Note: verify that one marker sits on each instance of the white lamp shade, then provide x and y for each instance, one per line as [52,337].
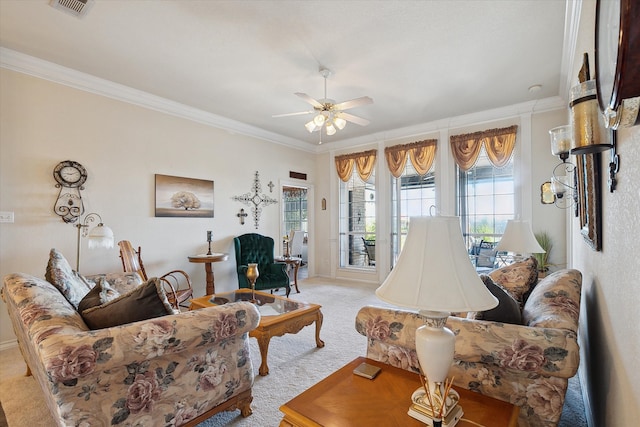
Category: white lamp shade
[330,129]
[319,119]
[339,122]
[519,238]
[311,126]
[100,236]
[434,272]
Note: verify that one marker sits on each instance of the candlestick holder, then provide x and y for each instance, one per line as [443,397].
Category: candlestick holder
[252,276]
[209,238]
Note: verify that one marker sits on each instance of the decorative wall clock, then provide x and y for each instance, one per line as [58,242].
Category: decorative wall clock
[618,61]
[70,177]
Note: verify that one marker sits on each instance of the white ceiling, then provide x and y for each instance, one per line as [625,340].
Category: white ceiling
[420,61]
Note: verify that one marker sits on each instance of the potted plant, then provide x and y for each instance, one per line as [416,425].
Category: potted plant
[544,240]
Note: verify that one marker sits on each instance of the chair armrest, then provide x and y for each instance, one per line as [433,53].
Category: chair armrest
[75,355]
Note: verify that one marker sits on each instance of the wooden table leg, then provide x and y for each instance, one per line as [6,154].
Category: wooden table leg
[319,318]
[263,344]
[295,275]
[211,288]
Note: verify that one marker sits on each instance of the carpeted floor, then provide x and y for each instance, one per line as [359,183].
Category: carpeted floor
[295,364]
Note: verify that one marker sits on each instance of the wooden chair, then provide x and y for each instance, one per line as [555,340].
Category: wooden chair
[176,282]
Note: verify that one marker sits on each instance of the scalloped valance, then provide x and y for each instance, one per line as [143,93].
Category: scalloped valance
[498,143]
[365,162]
[421,154]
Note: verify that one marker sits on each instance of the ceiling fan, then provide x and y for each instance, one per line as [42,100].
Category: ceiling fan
[330,115]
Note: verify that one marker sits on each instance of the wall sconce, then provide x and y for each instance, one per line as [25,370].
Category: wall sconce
[589,127]
[100,236]
[563,180]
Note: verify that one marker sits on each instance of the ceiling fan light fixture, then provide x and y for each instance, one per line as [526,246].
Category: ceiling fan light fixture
[339,122]
[330,129]
[311,126]
[319,119]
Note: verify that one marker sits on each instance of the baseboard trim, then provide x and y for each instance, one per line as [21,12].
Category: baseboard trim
[6,345]
[585,397]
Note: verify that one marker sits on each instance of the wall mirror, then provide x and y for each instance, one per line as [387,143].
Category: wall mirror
[589,198]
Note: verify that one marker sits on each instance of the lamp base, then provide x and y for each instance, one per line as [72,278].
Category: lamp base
[420,400]
[420,413]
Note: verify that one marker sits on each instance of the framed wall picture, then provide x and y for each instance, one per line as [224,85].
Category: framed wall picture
[183,197]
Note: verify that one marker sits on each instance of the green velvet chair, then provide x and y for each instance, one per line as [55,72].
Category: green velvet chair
[256,248]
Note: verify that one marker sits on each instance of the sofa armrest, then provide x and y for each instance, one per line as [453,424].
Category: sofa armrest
[70,356]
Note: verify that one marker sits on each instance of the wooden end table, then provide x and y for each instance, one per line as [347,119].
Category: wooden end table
[207,259]
[278,316]
[296,262]
[348,400]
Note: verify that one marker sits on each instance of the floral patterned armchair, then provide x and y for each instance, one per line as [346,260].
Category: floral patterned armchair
[528,365]
[172,370]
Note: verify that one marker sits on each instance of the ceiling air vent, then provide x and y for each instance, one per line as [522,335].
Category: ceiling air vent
[78,8]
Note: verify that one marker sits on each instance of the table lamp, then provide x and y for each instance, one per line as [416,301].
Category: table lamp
[519,239]
[433,274]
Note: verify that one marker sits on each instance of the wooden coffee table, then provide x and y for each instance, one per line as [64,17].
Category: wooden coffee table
[279,316]
[347,400]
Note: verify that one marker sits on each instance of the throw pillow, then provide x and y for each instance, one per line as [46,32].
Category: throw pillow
[144,302]
[69,282]
[518,278]
[101,293]
[507,310]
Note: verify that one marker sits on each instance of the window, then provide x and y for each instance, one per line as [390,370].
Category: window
[357,222]
[412,195]
[485,184]
[486,200]
[295,209]
[357,209]
[413,190]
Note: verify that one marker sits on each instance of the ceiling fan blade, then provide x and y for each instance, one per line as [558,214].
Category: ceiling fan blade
[310,100]
[354,119]
[292,114]
[364,100]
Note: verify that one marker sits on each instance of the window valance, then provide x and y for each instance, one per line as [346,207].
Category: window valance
[365,161]
[421,154]
[498,143]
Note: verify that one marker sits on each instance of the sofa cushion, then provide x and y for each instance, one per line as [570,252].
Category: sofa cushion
[518,278]
[101,293]
[555,301]
[144,302]
[69,282]
[507,310]
[121,282]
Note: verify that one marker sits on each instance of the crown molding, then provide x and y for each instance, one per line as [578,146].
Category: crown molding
[26,64]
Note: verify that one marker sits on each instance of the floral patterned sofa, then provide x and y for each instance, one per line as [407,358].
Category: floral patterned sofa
[174,370]
[526,364]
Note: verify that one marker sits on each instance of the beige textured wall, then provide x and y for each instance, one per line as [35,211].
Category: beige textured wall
[609,334]
[122,146]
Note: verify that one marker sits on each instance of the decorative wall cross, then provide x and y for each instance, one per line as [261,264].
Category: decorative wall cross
[242,215]
[256,200]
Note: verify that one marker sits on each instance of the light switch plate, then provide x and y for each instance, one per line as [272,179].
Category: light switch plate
[6,216]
